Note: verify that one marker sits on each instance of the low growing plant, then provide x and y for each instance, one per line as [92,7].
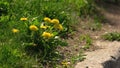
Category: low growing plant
[4,7]
[57,11]
[88,41]
[87,7]
[113,36]
[96,25]
[43,38]
[79,57]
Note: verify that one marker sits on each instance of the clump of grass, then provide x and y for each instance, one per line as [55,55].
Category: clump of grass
[79,57]
[113,36]
[84,8]
[12,55]
[4,7]
[4,17]
[87,40]
[96,25]
[87,8]
[69,63]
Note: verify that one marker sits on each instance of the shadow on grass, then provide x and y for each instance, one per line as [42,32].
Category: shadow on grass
[49,59]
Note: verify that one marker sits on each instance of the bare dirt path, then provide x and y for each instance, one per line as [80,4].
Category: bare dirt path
[108,50]
[96,58]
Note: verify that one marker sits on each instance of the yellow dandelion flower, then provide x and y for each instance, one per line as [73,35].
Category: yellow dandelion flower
[58,26]
[46,19]
[33,28]
[43,27]
[23,19]
[15,30]
[65,63]
[47,35]
[55,21]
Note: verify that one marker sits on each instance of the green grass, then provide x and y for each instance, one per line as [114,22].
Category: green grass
[113,36]
[88,41]
[13,52]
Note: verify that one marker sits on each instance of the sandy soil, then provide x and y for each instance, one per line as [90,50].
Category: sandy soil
[107,50]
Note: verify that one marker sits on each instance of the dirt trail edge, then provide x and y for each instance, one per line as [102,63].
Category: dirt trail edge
[97,58]
[109,54]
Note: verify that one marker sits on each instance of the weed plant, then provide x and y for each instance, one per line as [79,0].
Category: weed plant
[113,36]
[87,8]
[88,41]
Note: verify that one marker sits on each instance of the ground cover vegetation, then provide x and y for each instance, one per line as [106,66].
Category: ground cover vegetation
[32,30]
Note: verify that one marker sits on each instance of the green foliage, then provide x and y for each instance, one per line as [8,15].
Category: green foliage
[11,56]
[4,7]
[113,36]
[96,25]
[4,21]
[88,41]
[30,48]
[57,10]
[87,7]
[41,39]
[4,17]
[79,57]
